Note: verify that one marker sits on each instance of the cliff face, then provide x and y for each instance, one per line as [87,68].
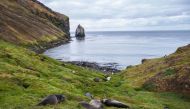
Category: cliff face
[32,24]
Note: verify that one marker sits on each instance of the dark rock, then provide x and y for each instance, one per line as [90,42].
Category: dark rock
[97,79]
[80,32]
[114,103]
[144,60]
[52,100]
[93,65]
[87,105]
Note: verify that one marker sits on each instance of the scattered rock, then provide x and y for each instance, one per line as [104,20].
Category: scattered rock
[114,103]
[80,31]
[93,65]
[97,79]
[52,100]
[96,103]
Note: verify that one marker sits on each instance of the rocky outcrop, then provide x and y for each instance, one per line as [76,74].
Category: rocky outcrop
[32,24]
[80,32]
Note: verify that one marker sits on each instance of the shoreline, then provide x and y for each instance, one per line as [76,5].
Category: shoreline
[40,49]
[107,68]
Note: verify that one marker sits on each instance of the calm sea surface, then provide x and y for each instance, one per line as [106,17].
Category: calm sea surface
[124,48]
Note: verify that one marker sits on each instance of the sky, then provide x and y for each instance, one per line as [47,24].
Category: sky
[124,15]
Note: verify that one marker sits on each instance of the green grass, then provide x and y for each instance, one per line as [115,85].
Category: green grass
[26,77]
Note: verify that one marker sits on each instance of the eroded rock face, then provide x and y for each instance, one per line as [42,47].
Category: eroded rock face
[80,32]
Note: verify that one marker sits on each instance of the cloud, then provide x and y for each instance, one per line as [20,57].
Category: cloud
[125,14]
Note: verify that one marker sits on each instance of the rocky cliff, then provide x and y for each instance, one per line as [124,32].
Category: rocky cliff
[32,24]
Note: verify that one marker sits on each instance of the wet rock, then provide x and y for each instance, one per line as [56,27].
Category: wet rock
[114,103]
[97,79]
[52,100]
[80,32]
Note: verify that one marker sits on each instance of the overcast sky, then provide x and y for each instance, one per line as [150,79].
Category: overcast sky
[125,14]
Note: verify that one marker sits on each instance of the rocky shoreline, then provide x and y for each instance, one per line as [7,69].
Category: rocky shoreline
[107,68]
[45,46]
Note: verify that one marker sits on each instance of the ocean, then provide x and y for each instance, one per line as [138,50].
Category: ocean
[122,47]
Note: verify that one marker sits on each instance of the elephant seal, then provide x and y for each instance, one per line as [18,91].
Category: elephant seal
[87,105]
[94,104]
[52,100]
[114,103]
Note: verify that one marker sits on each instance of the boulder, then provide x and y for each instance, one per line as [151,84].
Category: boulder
[114,103]
[80,32]
[52,100]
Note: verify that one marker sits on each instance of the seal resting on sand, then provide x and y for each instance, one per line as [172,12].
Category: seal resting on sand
[52,100]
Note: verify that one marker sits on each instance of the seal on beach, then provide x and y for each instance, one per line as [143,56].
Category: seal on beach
[52,100]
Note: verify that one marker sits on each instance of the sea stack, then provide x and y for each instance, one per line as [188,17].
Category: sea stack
[80,32]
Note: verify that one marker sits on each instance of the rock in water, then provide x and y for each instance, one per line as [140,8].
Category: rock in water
[114,103]
[80,32]
[52,100]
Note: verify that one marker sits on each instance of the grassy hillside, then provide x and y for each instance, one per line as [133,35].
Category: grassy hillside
[30,23]
[26,77]
[169,73]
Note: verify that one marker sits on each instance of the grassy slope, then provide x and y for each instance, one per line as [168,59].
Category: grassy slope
[25,78]
[169,73]
[29,23]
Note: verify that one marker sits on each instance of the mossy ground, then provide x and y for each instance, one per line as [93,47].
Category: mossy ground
[26,77]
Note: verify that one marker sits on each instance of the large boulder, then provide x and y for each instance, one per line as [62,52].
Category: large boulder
[80,32]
